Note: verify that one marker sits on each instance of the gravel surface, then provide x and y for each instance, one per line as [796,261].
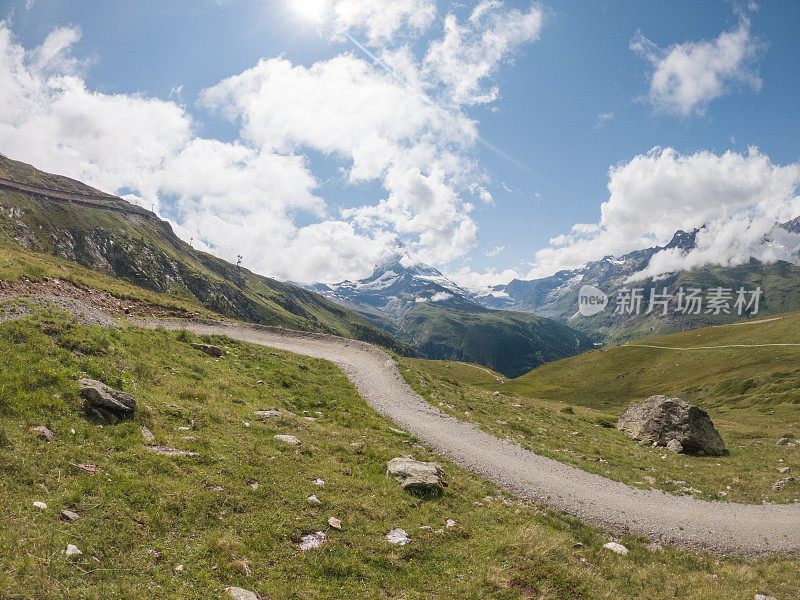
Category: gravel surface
[11,310]
[723,527]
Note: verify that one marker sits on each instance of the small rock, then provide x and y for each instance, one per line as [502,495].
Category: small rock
[722,494]
[238,593]
[449,523]
[783,441]
[617,548]
[43,433]
[649,479]
[168,451]
[106,403]
[676,447]
[267,414]
[312,540]
[312,499]
[288,439]
[654,547]
[184,428]
[319,482]
[495,394]
[335,523]
[155,554]
[254,486]
[88,469]
[784,469]
[148,435]
[189,438]
[781,483]
[69,515]
[178,568]
[398,536]
[516,405]
[72,550]
[763,597]
[40,505]
[416,475]
[213,351]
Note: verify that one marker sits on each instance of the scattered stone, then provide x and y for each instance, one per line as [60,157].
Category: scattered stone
[617,548]
[213,351]
[40,505]
[43,433]
[288,439]
[155,554]
[319,482]
[312,540]
[178,568]
[398,536]
[184,428]
[68,515]
[312,499]
[335,523]
[189,438]
[495,394]
[660,419]
[516,405]
[88,469]
[756,443]
[649,479]
[217,488]
[783,441]
[781,483]
[416,475]
[763,597]
[654,547]
[238,593]
[675,446]
[254,486]
[267,414]
[105,403]
[148,435]
[450,523]
[784,470]
[722,494]
[169,451]
[72,551]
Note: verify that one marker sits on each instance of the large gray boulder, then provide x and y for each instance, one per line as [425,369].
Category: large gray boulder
[415,475]
[106,403]
[660,419]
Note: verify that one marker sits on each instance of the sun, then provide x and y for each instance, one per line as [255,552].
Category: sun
[313,10]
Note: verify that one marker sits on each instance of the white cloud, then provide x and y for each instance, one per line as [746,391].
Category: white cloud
[687,76]
[469,53]
[737,197]
[481,283]
[383,19]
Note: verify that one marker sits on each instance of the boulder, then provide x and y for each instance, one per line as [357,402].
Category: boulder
[213,351]
[288,439]
[238,593]
[106,403]
[616,548]
[398,536]
[44,433]
[660,419]
[416,475]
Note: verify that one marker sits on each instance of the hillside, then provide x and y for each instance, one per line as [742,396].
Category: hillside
[747,376]
[509,342]
[418,305]
[159,527]
[556,296]
[75,222]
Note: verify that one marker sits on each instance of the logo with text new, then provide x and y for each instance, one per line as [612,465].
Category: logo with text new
[591,300]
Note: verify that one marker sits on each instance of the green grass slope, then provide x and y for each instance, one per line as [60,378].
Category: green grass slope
[568,409]
[143,515]
[136,246]
[509,342]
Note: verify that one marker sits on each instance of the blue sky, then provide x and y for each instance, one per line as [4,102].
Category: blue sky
[574,97]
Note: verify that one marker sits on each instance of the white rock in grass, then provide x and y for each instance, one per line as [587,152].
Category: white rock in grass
[449,523]
[312,499]
[312,540]
[72,550]
[398,536]
[319,482]
[763,597]
[335,523]
[238,593]
[41,505]
[617,548]
[288,439]
[148,435]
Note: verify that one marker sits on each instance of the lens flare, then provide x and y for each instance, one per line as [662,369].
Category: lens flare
[312,10]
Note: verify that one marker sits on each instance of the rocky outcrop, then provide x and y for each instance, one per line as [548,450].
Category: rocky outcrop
[213,351]
[105,403]
[659,420]
[415,475]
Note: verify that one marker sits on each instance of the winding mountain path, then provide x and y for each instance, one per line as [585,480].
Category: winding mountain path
[681,520]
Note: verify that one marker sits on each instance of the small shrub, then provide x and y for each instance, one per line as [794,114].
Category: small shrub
[568,410]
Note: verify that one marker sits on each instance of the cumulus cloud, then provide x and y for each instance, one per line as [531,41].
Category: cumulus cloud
[381,20]
[481,283]
[737,198]
[689,75]
[470,52]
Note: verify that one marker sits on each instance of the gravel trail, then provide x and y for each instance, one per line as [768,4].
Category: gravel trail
[722,527]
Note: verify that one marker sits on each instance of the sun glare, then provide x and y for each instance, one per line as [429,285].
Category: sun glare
[313,10]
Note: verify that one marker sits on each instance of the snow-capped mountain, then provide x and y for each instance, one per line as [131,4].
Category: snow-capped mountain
[395,286]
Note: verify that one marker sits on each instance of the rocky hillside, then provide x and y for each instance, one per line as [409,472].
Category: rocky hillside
[556,297]
[65,218]
[419,305]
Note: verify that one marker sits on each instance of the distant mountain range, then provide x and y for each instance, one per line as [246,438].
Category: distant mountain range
[417,304]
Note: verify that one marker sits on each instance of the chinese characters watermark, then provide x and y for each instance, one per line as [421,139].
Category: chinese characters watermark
[685,301]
